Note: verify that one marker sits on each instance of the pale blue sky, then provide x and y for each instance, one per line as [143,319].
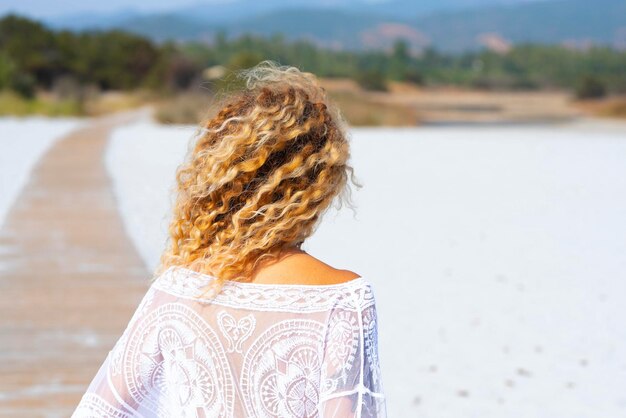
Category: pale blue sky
[47,8]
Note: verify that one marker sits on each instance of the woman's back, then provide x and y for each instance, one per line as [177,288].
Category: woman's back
[257,180]
[255,350]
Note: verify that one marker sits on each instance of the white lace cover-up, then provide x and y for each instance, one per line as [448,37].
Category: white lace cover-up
[255,350]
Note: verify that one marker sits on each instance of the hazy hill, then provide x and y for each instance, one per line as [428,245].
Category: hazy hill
[218,11]
[571,21]
[450,25]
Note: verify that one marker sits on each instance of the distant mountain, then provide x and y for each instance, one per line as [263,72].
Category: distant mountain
[83,20]
[330,27]
[162,27]
[357,24]
[574,22]
[239,9]
[224,11]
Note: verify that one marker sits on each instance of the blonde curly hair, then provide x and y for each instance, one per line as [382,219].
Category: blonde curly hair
[259,176]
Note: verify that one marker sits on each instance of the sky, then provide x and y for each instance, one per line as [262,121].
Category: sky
[47,8]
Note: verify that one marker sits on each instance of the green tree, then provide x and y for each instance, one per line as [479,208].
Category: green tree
[31,47]
[400,60]
[7,70]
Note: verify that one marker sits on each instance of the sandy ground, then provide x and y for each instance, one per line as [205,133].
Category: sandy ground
[452,105]
[69,278]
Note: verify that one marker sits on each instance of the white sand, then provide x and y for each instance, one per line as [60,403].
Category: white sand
[22,142]
[498,258]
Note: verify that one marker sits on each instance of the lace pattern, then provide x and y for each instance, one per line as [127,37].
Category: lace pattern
[187,283]
[252,351]
[94,406]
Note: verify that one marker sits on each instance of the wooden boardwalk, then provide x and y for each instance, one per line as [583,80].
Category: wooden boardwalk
[69,277]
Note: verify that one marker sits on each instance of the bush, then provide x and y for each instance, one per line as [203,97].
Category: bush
[590,87]
[414,76]
[371,80]
[24,85]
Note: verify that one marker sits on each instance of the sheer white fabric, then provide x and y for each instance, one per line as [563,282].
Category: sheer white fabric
[255,350]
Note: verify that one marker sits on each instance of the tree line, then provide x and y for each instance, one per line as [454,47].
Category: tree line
[34,57]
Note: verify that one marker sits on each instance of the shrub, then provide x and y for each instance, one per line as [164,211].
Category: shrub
[24,85]
[590,87]
[371,80]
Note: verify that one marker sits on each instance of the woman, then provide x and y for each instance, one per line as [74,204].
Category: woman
[240,321]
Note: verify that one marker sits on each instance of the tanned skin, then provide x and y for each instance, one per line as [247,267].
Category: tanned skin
[295,266]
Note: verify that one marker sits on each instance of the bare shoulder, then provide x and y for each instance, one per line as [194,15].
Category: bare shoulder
[302,268]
